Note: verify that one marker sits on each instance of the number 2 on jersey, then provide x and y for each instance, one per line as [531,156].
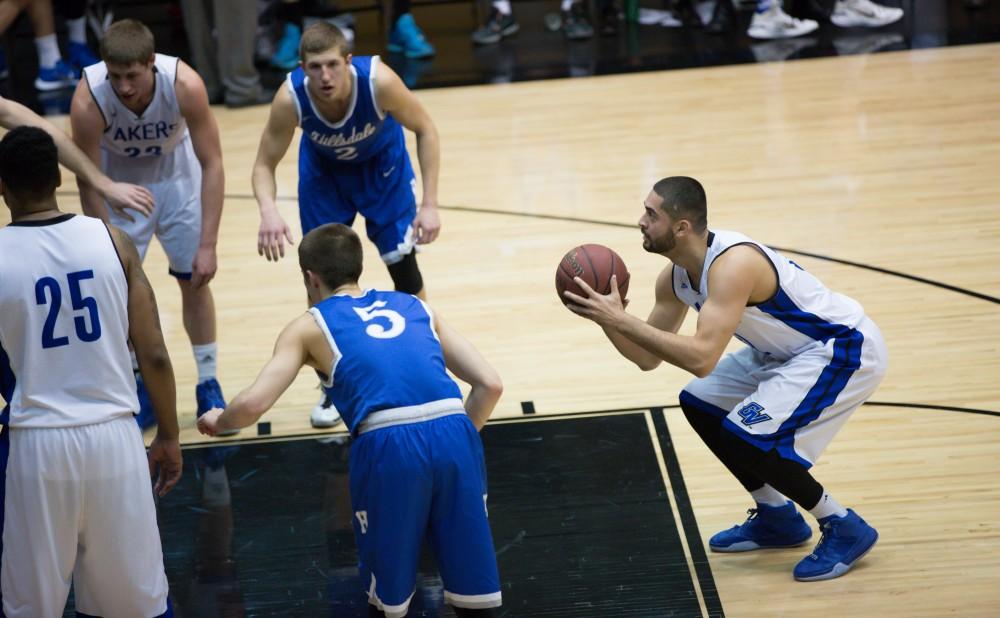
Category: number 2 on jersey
[78,301]
[396,322]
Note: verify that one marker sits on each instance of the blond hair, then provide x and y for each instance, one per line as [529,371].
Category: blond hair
[126,42]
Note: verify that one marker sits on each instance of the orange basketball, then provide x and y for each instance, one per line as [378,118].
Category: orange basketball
[594,264]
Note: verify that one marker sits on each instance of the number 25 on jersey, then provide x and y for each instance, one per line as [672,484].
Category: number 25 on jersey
[48,291]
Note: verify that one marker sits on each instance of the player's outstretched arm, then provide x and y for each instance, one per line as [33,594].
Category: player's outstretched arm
[278,133]
[291,352]
[465,361]
[83,156]
[193,101]
[154,365]
[393,96]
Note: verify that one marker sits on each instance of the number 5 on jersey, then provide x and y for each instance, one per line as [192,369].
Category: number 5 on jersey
[397,324]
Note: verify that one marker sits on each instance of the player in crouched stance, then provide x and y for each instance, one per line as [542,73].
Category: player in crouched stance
[768,410]
[416,465]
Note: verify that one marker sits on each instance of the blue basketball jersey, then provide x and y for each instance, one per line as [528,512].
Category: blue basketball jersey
[386,355]
[365,131]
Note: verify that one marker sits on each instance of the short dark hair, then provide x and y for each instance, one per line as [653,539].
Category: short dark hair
[320,37]
[29,163]
[126,42]
[684,198]
[333,252]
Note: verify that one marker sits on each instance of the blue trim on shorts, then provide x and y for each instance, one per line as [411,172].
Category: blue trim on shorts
[824,392]
[179,275]
[687,399]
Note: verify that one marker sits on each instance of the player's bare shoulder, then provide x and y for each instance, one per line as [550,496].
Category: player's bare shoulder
[190,88]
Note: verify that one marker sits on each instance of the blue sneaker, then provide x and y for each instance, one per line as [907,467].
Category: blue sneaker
[407,38]
[146,418]
[56,77]
[766,527]
[845,540]
[80,56]
[286,56]
[209,396]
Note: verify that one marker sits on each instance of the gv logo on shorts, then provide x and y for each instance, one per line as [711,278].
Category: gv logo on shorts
[753,413]
[362,520]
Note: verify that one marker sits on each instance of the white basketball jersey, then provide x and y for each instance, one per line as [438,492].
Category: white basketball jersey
[63,324]
[141,148]
[802,311]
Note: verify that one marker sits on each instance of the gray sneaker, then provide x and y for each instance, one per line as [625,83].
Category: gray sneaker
[497,26]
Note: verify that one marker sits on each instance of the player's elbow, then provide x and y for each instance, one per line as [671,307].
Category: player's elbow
[703,367]
[647,364]
[155,359]
[491,385]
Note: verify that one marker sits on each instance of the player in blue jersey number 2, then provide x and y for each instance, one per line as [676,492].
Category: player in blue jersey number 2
[352,159]
[416,467]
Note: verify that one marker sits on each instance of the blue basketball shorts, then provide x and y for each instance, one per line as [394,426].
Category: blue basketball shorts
[381,189]
[417,481]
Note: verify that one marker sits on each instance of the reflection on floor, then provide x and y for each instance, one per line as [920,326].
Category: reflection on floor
[580,514]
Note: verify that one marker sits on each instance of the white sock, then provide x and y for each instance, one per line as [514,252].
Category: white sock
[828,506]
[77,30]
[566,5]
[502,5]
[48,51]
[205,356]
[769,496]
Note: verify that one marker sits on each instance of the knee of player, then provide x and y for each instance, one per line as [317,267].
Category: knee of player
[406,275]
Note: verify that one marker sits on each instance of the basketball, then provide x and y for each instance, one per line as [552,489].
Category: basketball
[595,264]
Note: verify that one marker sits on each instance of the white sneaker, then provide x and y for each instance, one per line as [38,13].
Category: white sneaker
[777,24]
[325,414]
[850,13]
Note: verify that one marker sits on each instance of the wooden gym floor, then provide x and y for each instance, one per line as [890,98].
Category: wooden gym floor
[877,173]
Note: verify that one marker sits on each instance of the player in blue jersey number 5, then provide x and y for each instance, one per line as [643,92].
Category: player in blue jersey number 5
[416,467]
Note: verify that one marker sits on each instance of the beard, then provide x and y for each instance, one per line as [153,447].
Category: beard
[664,244]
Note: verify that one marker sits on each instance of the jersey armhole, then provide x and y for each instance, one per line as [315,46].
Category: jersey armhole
[118,254]
[295,96]
[90,88]
[430,315]
[372,71]
[777,278]
[318,318]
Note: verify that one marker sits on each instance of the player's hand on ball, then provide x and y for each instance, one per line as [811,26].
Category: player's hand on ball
[208,422]
[604,309]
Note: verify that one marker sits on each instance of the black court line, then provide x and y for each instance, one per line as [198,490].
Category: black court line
[709,591]
[539,417]
[827,258]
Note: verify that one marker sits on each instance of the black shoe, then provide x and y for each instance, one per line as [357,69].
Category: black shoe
[497,26]
[576,24]
[610,15]
[722,17]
